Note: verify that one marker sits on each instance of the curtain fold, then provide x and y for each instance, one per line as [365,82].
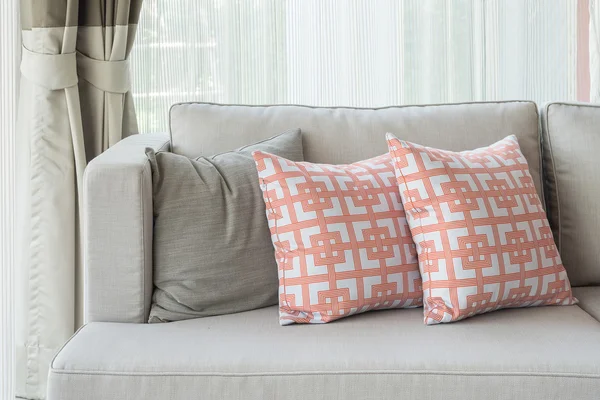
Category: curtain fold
[74,103]
[50,162]
[106,35]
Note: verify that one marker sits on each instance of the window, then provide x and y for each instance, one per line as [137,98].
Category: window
[355,53]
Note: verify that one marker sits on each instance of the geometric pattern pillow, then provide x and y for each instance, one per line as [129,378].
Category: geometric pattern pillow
[341,240]
[482,236]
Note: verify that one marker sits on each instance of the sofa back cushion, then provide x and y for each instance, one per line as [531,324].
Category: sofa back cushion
[346,135]
[572,183]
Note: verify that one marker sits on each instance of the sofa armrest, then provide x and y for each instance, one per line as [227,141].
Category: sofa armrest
[117,231]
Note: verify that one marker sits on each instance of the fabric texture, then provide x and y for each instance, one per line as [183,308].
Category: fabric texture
[117,205]
[369,356]
[482,236]
[572,184]
[341,239]
[212,249]
[343,135]
[589,299]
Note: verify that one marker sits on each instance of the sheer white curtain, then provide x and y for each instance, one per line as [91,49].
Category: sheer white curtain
[594,40]
[351,52]
[9,67]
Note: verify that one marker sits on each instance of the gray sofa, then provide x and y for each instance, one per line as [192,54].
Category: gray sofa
[536,353]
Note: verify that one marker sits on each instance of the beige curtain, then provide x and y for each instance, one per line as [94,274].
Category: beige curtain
[106,34]
[74,103]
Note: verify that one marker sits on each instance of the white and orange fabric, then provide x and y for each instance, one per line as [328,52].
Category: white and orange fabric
[341,239]
[482,236]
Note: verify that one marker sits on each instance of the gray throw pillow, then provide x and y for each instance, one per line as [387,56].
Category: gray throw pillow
[212,246]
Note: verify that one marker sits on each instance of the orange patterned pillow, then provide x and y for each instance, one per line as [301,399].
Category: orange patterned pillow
[341,239]
[481,233]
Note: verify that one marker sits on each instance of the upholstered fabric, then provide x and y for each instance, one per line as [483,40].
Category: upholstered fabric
[117,207]
[589,299]
[572,165]
[212,248]
[534,354]
[341,239]
[482,236]
[457,126]
[345,135]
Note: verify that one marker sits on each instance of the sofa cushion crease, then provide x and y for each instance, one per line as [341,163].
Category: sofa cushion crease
[310,373]
[589,299]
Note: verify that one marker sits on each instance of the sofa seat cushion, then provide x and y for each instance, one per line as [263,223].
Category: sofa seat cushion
[542,353]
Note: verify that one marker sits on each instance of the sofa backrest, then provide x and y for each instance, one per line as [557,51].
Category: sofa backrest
[572,183]
[344,135]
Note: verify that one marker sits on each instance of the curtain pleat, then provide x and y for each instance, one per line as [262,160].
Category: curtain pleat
[106,35]
[74,103]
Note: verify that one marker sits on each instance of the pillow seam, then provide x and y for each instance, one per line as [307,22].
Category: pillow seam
[421,225]
[272,210]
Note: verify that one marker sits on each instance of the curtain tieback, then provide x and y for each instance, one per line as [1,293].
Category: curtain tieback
[110,76]
[52,71]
